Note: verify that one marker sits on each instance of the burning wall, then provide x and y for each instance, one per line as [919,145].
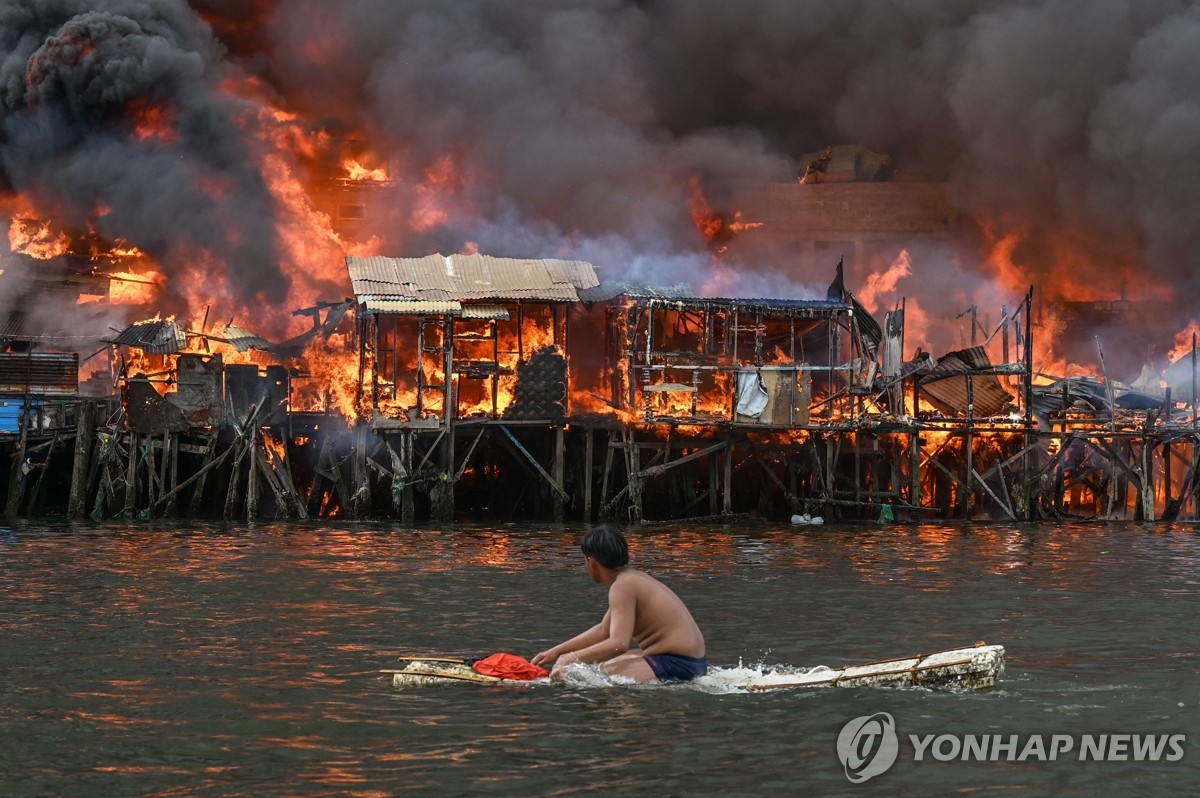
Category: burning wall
[200,133]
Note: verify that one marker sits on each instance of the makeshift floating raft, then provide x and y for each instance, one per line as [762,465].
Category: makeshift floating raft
[974,668]
[424,670]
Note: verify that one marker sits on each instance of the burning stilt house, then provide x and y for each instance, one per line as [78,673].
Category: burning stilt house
[449,337]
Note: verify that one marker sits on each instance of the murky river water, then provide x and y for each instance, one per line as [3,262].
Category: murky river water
[211,660]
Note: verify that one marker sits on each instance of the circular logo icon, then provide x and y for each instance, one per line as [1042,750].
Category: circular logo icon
[867,746]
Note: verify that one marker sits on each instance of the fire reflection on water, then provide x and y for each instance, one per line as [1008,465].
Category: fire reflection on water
[224,658]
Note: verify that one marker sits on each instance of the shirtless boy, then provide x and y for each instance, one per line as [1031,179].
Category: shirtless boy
[640,609]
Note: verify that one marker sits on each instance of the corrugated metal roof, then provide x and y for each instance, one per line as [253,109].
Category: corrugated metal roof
[42,373]
[610,289]
[158,337]
[946,385]
[406,307]
[242,340]
[498,312]
[462,277]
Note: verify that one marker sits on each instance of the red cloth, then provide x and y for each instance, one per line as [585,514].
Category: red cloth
[510,666]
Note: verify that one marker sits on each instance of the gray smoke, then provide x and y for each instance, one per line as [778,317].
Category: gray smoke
[75,79]
[1068,117]
[576,125]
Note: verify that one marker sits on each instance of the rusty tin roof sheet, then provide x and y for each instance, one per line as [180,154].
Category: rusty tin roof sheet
[241,339]
[157,336]
[467,277]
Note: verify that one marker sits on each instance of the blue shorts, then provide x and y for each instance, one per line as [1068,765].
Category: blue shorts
[676,667]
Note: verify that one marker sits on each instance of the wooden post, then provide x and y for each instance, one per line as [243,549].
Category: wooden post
[609,452]
[588,454]
[233,492]
[1147,494]
[633,458]
[361,498]
[1168,487]
[441,494]
[173,474]
[85,433]
[200,475]
[727,498]
[408,512]
[31,507]
[713,477]
[197,501]
[13,504]
[557,470]
[164,472]
[857,467]
[131,479]
[317,491]
[969,445]
[252,477]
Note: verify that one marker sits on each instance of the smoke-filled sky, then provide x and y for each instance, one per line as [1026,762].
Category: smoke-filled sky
[574,128]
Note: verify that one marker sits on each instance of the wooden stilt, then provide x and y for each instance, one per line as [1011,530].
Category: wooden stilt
[201,477]
[727,485]
[85,433]
[252,489]
[969,448]
[321,476]
[198,478]
[713,492]
[360,504]
[164,466]
[588,454]
[558,469]
[408,512]
[173,474]
[31,506]
[1147,492]
[131,477]
[233,492]
[12,505]
[633,458]
[914,467]
[609,453]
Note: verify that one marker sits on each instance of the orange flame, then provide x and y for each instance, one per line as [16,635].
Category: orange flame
[355,171]
[36,238]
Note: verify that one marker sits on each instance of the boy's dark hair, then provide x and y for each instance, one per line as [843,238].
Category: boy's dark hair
[607,545]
